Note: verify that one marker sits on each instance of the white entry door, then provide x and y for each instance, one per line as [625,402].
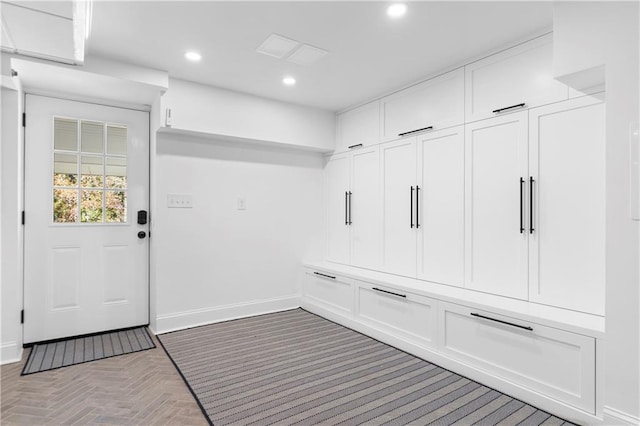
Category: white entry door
[86,247]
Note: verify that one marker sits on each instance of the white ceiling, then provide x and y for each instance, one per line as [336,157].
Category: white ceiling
[369,54]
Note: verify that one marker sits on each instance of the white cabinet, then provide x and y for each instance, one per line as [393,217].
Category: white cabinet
[353,208]
[399,313]
[520,75]
[398,168]
[329,290]
[437,103]
[495,235]
[337,171]
[567,246]
[423,206]
[535,205]
[440,206]
[554,362]
[359,126]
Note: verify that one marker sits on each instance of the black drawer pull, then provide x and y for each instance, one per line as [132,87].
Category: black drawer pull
[474,314]
[353,146]
[416,131]
[389,292]
[498,111]
[324,275]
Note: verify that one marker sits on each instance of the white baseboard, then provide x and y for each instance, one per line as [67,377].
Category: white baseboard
[617,417]
[10,352]
[188,319]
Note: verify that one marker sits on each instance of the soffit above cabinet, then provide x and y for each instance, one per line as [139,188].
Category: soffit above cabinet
[53,30]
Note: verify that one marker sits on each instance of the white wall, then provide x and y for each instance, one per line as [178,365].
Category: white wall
[616,27]
[10,281]
[214,111]
[215,262]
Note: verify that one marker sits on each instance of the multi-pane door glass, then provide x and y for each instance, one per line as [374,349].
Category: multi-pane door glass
[89,172]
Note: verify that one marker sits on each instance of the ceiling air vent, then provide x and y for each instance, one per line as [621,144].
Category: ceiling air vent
[277,46]
[307,55]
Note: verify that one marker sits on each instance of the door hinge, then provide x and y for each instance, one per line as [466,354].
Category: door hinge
[22,316]
[24,119]
[22,217]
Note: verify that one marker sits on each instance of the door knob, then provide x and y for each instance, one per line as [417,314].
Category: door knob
[142,234]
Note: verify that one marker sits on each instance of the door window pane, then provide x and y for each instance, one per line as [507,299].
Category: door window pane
[91,206]
[116,206]
[92,169]
[89,172]
[65,170]
[65,205]
[92,137]
[116,172]
[65,134]
[116,140]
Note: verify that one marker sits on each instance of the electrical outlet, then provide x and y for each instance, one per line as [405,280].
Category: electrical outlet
[241,203]
[179,201]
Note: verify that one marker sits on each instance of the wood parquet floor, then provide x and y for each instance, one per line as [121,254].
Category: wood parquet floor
[141,388]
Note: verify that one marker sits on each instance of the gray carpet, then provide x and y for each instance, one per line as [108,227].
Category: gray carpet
[63,353]
[294,367]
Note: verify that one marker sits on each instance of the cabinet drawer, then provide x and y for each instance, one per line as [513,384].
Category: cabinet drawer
[329,290]
[398,313]
[522,74]
[554,362]
[438,102]
[359,126]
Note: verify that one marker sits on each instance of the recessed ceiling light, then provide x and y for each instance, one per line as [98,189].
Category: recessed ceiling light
[397,10]
[193,56]
[289,81]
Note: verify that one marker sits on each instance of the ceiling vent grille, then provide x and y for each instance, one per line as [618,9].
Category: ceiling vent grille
[277,46]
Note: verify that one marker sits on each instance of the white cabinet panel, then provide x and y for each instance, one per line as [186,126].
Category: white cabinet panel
[399,313]
[522,74]
[441,206]
[365,207]
[438,102]
[329,290]
[557,363]
[495,244]
[398,168]
[337,188]
[359,126]
[567,247]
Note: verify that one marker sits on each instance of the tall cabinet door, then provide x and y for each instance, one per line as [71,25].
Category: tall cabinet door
[441,206]
[398,167]
[337,187]
[567,246]
[365,207]
[496,243]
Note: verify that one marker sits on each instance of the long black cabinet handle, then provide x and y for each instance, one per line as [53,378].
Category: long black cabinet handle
[521,207]
[411,207]
[417,206]
[389,292]
[346,207]
[325,275]
[498,111]
[474,314]
[415,131]
[531,197]
[353,146]
[350,207]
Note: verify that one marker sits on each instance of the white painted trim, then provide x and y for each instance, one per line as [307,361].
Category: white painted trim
[613,416]
[194,318]
[10,352]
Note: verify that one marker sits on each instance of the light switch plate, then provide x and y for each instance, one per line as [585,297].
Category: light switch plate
[241,203]
[179,201]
